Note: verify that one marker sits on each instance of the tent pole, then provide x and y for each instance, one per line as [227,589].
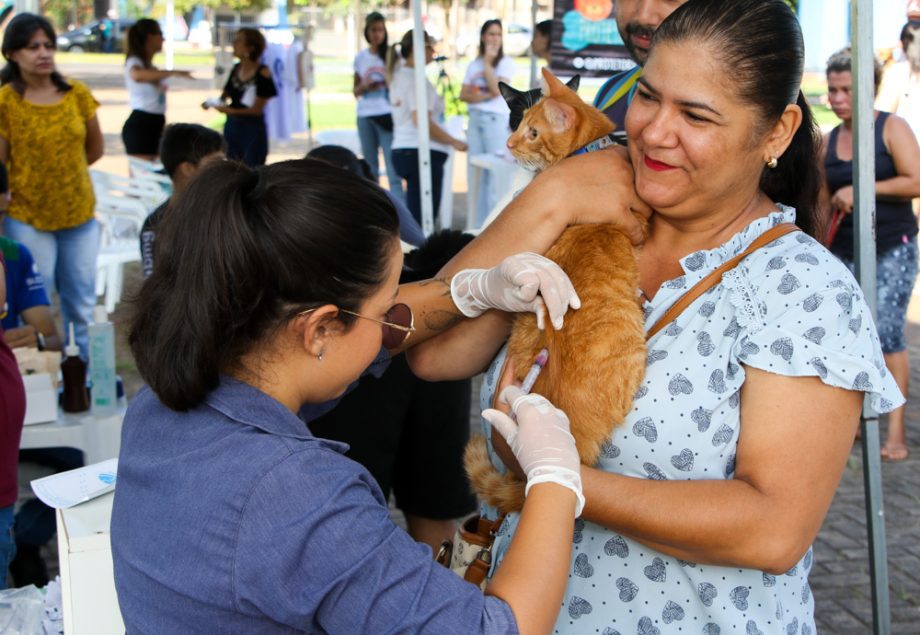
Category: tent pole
[864,211]
[421,101]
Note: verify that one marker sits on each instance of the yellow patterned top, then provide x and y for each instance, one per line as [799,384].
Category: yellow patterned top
[50,186]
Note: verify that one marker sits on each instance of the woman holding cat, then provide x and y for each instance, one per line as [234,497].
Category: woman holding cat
[697,516]
[405,126]
[488,126]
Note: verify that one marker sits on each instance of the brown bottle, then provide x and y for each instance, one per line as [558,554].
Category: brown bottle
[75,399]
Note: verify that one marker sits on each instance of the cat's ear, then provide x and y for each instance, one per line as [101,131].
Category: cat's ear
[551,84]
[511,95]
[574,82]
[561,116]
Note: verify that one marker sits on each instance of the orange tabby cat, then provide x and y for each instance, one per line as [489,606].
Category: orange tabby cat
[597,361]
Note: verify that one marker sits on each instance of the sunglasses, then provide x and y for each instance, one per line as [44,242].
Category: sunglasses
[397,326]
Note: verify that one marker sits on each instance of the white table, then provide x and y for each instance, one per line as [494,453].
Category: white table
[504,175]
[98,437]
[90,605]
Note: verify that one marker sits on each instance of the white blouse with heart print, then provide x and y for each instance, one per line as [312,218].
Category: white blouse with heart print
[789,308]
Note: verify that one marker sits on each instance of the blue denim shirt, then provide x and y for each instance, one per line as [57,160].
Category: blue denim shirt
[233,518]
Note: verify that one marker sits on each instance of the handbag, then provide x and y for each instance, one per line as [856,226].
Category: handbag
[469,554]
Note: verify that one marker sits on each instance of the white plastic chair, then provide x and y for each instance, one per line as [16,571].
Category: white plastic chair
[121,218]
[347,138]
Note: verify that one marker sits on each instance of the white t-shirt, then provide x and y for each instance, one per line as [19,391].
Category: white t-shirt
[146,96]
[402,98]
[371,69]
[476,77]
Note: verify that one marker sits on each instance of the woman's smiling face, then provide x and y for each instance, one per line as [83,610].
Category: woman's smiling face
[694,145]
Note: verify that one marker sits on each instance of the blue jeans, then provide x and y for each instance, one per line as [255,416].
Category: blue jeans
[406,162]
[66,258]
[373,136]
[7,543]
[487,134]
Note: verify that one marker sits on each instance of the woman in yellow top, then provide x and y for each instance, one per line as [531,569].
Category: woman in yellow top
[49,136]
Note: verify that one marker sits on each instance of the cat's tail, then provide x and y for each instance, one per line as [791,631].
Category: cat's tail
[504,491]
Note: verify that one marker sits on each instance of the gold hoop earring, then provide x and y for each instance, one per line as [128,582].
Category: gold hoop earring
[772,163]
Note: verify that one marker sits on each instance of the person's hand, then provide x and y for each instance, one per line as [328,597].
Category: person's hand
[540,440]
[23,336]
[459,145]
[524,282]
[842,200]
[595,187]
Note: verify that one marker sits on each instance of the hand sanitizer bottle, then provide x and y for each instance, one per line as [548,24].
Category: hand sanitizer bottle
[73,370]
[102,363]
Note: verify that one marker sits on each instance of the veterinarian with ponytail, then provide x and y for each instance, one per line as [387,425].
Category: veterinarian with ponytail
[697,519]
[229,515]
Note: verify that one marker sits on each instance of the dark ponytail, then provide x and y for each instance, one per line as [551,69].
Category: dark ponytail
[16,37]
[136,41]
[243,251]
[760,46]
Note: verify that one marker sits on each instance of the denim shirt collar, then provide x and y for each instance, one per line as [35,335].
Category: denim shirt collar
[250,406]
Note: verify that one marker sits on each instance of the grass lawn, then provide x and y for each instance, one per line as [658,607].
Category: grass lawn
[183,59]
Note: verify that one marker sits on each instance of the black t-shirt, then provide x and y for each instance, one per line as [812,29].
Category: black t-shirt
[236,89]
[894,220]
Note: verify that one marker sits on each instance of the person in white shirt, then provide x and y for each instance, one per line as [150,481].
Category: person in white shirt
[488,127]
[405,126]
[375,123]
[146,90]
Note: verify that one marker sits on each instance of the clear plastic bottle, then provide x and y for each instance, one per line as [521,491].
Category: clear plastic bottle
[73,369]
[102,363]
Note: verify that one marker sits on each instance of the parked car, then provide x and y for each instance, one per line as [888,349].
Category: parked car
[515,43]
[91,37]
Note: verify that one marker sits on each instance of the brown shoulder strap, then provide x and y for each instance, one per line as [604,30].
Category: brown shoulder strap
[715,276]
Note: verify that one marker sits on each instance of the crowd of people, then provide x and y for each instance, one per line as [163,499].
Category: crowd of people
[298,367]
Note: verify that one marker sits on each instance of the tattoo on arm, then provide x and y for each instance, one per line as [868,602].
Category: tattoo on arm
[443,281]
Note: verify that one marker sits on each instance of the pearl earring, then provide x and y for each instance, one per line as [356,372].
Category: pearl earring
[772,163]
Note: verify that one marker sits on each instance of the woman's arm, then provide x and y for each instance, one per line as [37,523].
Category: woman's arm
[153,75]
[796,434]
[439,134]
[95,145]
[566,194]
[904,150]
[527,582]
[358,86]
[256,109]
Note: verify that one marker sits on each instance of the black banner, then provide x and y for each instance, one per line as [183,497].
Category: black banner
[585,39]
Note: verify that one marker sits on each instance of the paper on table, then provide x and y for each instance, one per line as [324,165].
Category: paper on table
[73,487]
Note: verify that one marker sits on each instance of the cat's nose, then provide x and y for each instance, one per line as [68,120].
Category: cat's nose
[511,143]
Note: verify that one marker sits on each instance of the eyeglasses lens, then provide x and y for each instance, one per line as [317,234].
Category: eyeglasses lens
[399,314]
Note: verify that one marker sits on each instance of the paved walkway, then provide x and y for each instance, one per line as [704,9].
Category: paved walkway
[840,579]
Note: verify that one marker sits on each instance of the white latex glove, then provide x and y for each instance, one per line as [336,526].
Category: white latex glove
[523,282]
[540,441]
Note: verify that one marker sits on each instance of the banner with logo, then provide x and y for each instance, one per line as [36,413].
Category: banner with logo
[585,40]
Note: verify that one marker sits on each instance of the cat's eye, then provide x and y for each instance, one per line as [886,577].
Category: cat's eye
[534,133]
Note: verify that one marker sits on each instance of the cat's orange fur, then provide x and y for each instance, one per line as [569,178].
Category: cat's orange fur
[597,361]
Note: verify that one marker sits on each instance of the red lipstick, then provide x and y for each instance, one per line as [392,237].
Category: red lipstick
[658,166]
